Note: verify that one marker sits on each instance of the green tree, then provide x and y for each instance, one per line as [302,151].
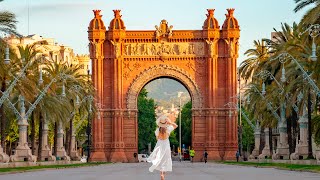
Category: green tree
[247,135]
[186,123]
[146,121]
[256,58]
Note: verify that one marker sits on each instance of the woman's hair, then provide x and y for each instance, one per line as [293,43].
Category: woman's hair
[162,130]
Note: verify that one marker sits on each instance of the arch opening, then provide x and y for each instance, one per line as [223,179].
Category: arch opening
[165,95]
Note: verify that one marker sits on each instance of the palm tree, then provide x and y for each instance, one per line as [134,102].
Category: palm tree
[73,78]
[8,22]
[290,40]
[312,15]
[8,25]
[257,57]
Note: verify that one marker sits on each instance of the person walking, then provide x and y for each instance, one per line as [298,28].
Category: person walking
[205,156]
[161,155]
[237,156]
[192,153]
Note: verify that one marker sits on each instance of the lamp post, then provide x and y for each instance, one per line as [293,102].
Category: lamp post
[179,96]
[23,151]
[5,95]
[5,157]
[314,31]
[283,146]
[284,57]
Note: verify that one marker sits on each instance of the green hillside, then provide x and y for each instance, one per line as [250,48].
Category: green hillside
[165,92]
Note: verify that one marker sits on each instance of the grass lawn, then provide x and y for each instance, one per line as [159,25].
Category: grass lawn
[30,168]
[293,167]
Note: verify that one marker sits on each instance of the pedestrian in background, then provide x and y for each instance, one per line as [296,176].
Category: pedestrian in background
[237,156]
[192,152]
[205,156]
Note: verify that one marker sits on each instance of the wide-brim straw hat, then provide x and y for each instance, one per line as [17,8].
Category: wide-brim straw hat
[162,121]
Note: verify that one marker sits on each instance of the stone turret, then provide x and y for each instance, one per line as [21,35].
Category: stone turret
[96,27]
[117,23]
[230,27]
[211,22]
[211,26]
[117,29]
[96,35]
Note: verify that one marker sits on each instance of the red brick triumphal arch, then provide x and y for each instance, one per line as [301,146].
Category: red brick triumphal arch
[124,61]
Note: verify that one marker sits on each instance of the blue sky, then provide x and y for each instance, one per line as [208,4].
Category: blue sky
[67,20]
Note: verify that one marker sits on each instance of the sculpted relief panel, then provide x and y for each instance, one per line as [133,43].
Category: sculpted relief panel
[164,48]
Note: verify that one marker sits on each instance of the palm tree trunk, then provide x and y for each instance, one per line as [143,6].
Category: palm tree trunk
[70,135]
[309,127]
[270,141]
[55,147]
[294,130]
[3,119]
[10,148]
[66,142]
[40,136]
[289,131]
[33,134]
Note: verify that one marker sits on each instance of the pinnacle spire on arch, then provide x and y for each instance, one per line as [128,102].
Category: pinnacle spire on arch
[230,22]
[210,22]
[117,23]
[96,23]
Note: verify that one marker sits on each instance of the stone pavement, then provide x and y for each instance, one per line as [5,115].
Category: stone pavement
[181,171]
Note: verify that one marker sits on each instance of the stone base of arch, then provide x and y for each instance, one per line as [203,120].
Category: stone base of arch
[98,156]
[118,156]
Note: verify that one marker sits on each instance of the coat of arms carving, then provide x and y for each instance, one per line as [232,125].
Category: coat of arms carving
[164,29]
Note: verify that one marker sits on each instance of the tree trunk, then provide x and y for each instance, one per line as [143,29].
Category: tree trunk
[10,148]
[309,126]
[270,141]
[55,148]
[289,131]
[33,134]
[40,136]
[3,118]
[66,142]
[262,140]
[70,135]
[295,129]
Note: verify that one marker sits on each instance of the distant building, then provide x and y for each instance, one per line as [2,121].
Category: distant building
[50,48]
[84,62]
[275,36]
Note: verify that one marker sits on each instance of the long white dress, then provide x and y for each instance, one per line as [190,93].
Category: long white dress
[161,155]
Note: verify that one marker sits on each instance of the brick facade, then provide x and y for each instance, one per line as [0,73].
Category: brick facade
[124,61]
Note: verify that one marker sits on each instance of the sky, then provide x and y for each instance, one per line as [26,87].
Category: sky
[67,20]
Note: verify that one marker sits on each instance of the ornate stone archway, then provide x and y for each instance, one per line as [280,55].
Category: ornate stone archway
[163,70]
[123,61]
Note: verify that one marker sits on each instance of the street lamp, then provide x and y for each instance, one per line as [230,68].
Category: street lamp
[284,57]
[314,31]
[179,96]
[6,52]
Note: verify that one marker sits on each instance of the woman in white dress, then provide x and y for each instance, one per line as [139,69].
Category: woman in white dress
[161,155]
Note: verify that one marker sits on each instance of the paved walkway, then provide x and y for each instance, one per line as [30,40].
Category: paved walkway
[181,171]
